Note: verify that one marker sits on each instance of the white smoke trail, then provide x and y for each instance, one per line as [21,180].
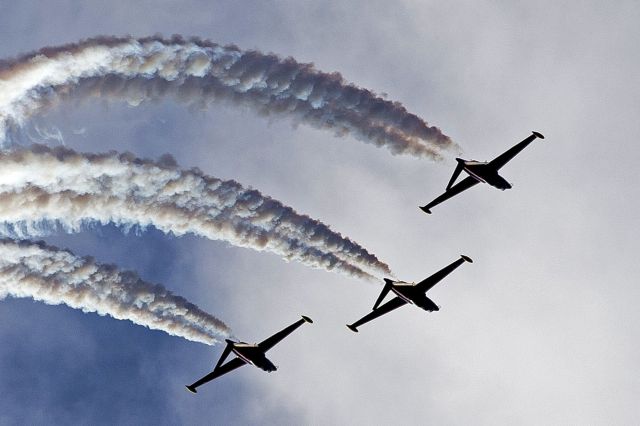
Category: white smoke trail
[55,277]
[72,189]
[198,71]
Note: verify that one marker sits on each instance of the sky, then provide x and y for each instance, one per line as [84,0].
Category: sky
[541,328]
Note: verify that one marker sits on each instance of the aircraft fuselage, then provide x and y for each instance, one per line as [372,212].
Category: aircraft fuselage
[409,293]
[254,355]
[483,172]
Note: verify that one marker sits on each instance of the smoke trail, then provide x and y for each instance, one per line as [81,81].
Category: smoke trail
[58,184]
[198,71]
[55,277]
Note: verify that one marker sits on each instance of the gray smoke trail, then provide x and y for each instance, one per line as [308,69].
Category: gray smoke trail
[198,71]
[55,277]
[72,189]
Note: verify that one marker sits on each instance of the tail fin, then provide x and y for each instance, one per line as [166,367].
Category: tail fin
[191,388]
[352,328]
[456,172]
[387,286]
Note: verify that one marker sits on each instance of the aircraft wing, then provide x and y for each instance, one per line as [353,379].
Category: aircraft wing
[392,304]
[464,184]
[224,369]
[426,284]
[270,342]
[505,157]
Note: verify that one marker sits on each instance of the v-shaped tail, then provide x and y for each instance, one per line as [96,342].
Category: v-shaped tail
[456,173]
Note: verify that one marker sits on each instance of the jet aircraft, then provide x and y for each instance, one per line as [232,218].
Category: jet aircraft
[408,293]
[248,354]
[480,171]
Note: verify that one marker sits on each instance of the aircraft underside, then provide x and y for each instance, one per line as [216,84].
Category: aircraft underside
[485,173]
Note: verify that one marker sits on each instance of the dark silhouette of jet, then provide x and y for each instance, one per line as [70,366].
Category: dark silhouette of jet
[480,171]
[411,293]
[248,354]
